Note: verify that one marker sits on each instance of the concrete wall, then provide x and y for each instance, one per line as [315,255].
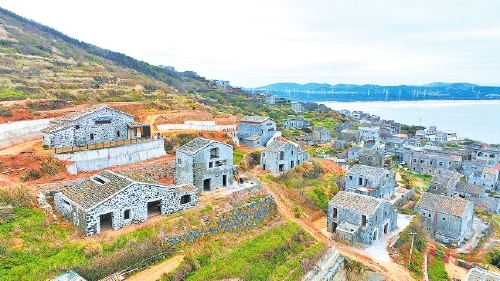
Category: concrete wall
[18,132]
[92,160]
[236,220]
[265,130]
[196,125]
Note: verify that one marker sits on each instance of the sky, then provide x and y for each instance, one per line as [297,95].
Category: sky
[260,42]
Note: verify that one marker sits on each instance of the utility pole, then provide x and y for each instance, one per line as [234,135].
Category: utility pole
[411,248]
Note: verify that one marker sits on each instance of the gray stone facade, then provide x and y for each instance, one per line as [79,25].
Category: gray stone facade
[360,218]
[255,131]
[447,219]
[444,183]
[320,135]
[281,155]
[95,124]
[204,163]
[370,157]
[372,181]
[109,200]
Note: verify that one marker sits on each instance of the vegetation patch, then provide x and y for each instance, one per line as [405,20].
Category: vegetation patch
[435,265]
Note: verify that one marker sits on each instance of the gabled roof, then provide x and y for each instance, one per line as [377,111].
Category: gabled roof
[322,129]
[479,274]
[367,171]
[255,119]
[394,140]
[198,144]
[445,177]
[363,204]
[55,127]
[86,111]
[443,204]
[91,193]
[469,188]
[275,146]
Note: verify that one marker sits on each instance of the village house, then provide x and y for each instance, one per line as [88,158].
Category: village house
[370,157]
[360,218]
[298,107]
[320,135]
[108,200]
[447,219]
[269,99]
[339,144]
[206,164]
[372,181]
[298,122]
[433,163]
[353,153]
[476,194]
[411,144]
[490,155]
[347,125]
[95,124]
[389,128]
[255,131]
[369,133]
[393,143]
[281,155]
[349,135]
[444,183]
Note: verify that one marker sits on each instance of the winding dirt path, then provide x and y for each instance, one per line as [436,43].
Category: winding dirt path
[392,271]
[155,272]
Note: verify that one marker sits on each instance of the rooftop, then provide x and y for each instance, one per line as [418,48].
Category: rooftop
[477,274]
[445,177]
[77,114]
[368,171]
[443,204]
[185,188]
[469,188]
[275,146]
[490,170]
[255,119]
[355,202]
[196,145]
[91,192]
[54,127]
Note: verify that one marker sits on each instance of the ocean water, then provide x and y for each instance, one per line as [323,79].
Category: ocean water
[477,120]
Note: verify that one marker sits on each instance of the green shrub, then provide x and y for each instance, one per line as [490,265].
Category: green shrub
[17,196]
[6,112]
[32,174]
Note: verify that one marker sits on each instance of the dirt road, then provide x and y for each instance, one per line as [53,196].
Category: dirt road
[392,271]
[156,271]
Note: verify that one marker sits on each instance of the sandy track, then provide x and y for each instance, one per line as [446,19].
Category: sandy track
[155,272]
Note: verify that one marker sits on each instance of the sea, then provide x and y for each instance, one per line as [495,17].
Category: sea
[477,120]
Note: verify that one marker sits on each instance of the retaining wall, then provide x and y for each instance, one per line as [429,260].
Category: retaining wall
[98,159]
[18,132]
[236,220]
[196,125]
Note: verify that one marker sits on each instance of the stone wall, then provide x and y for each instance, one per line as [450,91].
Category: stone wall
[265,130]
[196,125]
[19,132]
[93,160]
[328,268]
[236,220]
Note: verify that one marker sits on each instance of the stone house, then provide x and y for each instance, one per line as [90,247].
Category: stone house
[476,194]
[269,99]
[320,135]
[255,131]
[339,144]
[110,201]
[298,123]
[411,144]
[489,178]
[433,163]
[353,153]
[347,125]
[360,218]
[206,164]
[389,128]
[480,274]
[95,124]
[444,183]
[393,143]
[372,181]
[349,135]
[297,106]
[490,155]
[447,219]
[281,155]
[370,157]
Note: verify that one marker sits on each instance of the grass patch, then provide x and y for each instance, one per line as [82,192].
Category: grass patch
[238,156]
[435,266]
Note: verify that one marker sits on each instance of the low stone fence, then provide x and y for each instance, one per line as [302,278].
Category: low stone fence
[235,220]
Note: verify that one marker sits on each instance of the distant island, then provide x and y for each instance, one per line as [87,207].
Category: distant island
[370,92]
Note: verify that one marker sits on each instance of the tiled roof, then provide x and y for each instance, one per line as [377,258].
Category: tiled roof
[455,158]
[347,131]
[355,202]
[196,145]
[77,114]
[355,148]
[477,274]
[364,170]
[254,119]
[136,124]
[90,193]
[54,127]
[469,188]
[252,138]
[322,129]
[443,204]
[394,140]
[445,177]
[367,152]
[275,146]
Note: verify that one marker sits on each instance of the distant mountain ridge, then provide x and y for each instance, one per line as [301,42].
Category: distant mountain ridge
[370,92]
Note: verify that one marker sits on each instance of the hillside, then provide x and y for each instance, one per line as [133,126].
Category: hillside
[37,61]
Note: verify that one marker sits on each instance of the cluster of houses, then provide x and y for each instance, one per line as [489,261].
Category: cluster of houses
[109,200]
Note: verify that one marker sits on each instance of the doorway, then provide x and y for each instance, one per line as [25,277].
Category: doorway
[206,185]
[106,221]
[224,180]
[386,228]
[154,208]
[375,234]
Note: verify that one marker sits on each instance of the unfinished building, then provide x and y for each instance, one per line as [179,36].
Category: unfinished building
[360,218]
[206,164]
[372,181]
[255,131]
[281,155]
[110,201]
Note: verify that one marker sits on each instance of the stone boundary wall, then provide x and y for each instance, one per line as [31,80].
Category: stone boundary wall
[93,160]
[235,220]
[18,132]
[196,125]
[328,268]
